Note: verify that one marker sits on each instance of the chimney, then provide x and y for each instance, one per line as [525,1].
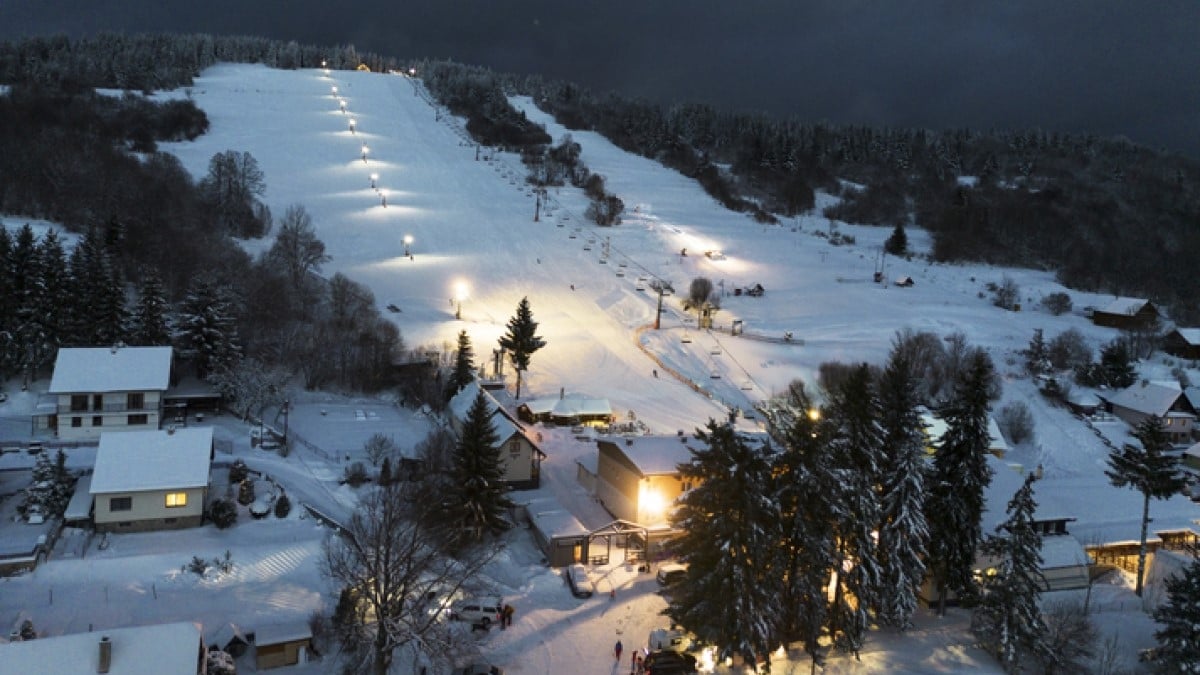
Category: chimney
[105,655]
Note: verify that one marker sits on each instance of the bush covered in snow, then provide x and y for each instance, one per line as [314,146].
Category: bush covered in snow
[223,513]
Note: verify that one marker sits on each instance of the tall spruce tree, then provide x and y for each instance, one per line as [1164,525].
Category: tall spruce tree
[1008,618]
[149,326]
[464,366]
[856,444]
[99,292]
[476,507]
[521,340]
[804,484]
[731,527]
[1116,364]
[1147,468]
[903,530]
[1179,637]
[7,306]
[207,334]
[960,475]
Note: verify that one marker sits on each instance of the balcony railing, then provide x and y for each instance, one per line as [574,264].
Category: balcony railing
[107,408]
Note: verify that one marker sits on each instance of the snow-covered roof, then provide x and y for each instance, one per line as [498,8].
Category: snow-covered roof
[101,369]
[1125,306]
[135,461]
[1189,335]
[506,427]
[278,633]
[656,455]
[935,428]
[142,650]
[1062,550]
[80,506]
[552,520]
[1193,451]
[1154,398]
[571,405]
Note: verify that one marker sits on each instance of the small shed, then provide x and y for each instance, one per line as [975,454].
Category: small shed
[560,535]
[1126,313]
[284,644]
[1183,342]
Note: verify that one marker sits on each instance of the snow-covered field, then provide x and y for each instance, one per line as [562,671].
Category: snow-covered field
[472,221]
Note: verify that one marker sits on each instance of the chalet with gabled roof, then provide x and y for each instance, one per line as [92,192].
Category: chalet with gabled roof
[1164,400]
[149,480]
[1126,313]
[142,650]
[98,389]
[1183,342]
[521,455]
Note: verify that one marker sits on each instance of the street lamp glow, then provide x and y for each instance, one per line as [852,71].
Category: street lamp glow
[365,151]
[352,123]
[374,180]
[334,90]
[407,244]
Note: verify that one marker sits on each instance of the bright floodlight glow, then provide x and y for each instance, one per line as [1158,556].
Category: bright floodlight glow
[814,414]
[652,503]
[334,89]
[407,239]
[365,149]
[461,290]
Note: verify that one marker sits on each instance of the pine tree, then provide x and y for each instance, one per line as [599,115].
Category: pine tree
[52,485]
[1037,354]
[804,484]
[1179,639]
[54,291]
[207,335]
[99,294]
[28,331]
[1147,468]
[960,474]
[464,366]
[476,508]
[1008,618]
[856,443]
[520,341]
[730,527]
[8,363]
[1116,362]
[897,244]
[903,530]
[149,326]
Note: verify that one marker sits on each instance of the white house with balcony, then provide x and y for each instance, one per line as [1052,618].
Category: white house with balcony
[150,480]
[103,389]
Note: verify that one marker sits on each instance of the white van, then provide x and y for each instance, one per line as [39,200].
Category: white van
[669,639]
[479,612]
[580,582]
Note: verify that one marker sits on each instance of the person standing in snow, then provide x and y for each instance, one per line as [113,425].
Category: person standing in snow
[617,650]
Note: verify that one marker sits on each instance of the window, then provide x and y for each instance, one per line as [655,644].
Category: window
[97,421]
[97,401]
[514,448]
[135,401]
[176,499]
[78,402]
[76,422]
[137,419]
[120,504]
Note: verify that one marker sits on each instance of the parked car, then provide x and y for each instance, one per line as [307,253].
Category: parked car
[671,573]
[480,669]
[670,663]
[581,585]
[480,613]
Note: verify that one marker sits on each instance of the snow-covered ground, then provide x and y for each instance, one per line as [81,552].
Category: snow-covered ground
[472,221]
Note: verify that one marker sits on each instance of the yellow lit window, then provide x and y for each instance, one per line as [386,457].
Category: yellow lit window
[175,499]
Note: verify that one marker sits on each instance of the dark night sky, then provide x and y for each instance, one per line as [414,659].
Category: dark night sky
[1112,68]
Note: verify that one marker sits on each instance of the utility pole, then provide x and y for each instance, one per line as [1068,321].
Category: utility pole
[537,206]
[658,314]
[286,411]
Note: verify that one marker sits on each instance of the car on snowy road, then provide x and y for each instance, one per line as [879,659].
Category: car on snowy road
[577,578]
[671,573]
[670,663]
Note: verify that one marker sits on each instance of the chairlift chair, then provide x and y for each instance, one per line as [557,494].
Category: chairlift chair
[686,339]
[747,385]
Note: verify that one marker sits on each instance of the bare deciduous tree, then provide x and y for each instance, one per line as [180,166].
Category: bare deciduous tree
[390,556]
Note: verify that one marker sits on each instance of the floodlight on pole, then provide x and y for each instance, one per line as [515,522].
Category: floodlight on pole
[365,150]
[374,180]
[407,243]
[352,123]
[334,88]
[460,294]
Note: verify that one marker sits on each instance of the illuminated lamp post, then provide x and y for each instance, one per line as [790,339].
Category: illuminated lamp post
[352,123]
[365,150]
[407,244]
[460,294]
